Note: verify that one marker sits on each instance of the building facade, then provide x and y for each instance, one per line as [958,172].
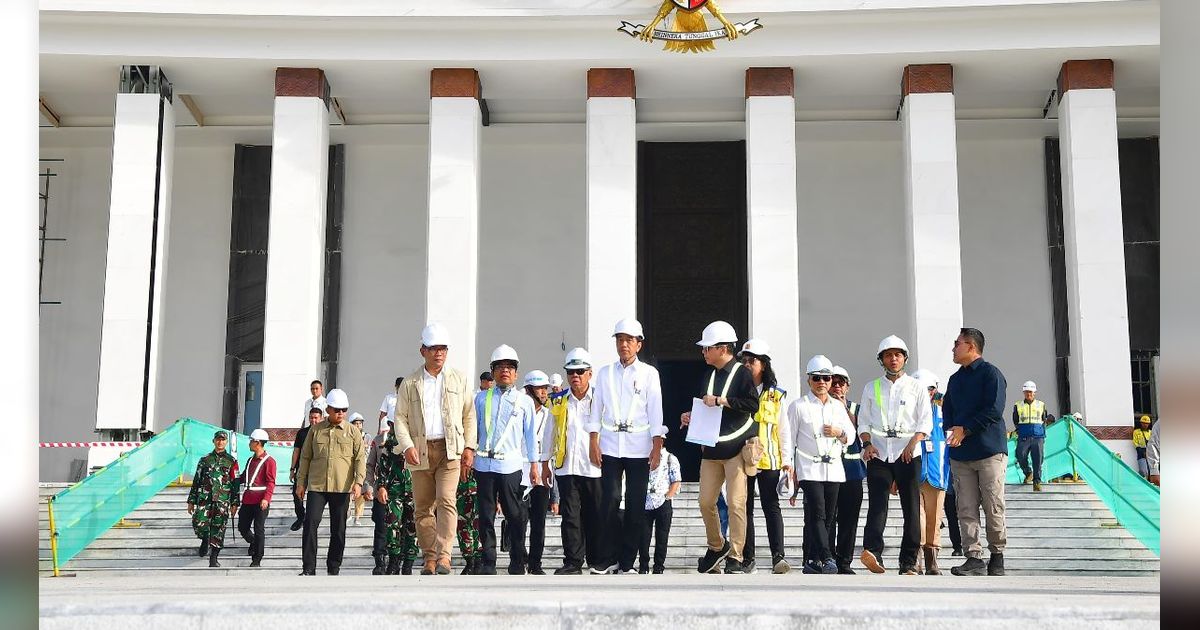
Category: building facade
[238,201]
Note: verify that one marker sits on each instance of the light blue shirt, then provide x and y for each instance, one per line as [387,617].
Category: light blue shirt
[512,442]
[935,465]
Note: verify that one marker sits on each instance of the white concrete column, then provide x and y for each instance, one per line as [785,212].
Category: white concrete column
[1094,244]
[774,282]
[136,263]
[296,244]
[931,213]
[452,266]
[611,269]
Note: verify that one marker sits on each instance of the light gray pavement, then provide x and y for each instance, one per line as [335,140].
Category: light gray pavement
[187,601]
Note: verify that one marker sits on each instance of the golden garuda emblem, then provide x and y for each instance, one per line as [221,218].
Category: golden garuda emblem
[688,32]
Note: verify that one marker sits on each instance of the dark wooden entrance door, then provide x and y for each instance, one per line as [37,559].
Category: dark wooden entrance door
[692,266]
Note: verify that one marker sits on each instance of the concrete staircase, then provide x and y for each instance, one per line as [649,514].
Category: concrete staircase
[1064,530]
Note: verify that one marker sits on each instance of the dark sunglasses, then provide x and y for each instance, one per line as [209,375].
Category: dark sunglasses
[840,381]
[821,377]
[576,372]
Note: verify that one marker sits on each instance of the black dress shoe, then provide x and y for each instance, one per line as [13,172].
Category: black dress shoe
[657,571]
[516,569]
[536,571]
[256,562]
[297,525]
[307,572]
[568,570]
[332,570]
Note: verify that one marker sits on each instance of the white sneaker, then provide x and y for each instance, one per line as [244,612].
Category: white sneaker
[603,570]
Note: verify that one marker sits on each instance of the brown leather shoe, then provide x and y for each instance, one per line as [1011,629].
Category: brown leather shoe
[871,562]
[429,568]
[443,567]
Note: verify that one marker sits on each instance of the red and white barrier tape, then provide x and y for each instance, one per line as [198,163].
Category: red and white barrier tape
[113,444]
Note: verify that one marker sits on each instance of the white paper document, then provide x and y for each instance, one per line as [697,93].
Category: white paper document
[705,425]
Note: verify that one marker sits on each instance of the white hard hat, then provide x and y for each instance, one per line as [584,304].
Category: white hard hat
[337,399]
[892,342]
[1029,386]
[556,380]
[435,335]
[537,378]
[926,378]
[629,326]
[715,333]
[578,358]
[504,352]
[841,371]
[258,435]
[356,417]
[819,364]
[756,347]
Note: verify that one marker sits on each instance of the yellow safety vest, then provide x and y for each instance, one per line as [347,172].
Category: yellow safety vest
[1030,413]
[558,409]
[1140,437]
[770,409]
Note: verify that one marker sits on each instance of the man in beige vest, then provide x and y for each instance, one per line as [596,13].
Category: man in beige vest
[435,426]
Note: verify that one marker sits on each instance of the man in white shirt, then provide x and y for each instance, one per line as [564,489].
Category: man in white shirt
[577,478]
[893,420]
[387,409]
[317,389]
[537,387]
[625,429]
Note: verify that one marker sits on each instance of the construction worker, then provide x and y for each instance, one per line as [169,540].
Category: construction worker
[755,356]
[1141,437]
[258,487]
[537,387]
[818,430]
[577,478]
[895,417]
[506,425]
[625,442]
[735,454]
[850,494]
[212,497]
[1029,420]
[935,476]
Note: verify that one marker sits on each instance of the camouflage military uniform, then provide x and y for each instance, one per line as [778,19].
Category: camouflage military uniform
[214,495]
[400,518]
[468,518]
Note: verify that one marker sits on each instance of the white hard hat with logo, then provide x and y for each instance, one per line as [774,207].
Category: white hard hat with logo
[504,352]
[757,347]
[715,333]
[259,435]
[435,335]
[537,378]
[926,378]
[337,399]
[1029,386]
[629,326]
[578,359]
[841,371]
[819,364]
[892,342]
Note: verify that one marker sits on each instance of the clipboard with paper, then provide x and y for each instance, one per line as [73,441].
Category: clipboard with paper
[705,425]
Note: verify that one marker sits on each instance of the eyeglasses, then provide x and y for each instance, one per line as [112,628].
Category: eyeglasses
[840,382]
[437,349]
[820,377]
[576,372]
[503,367]
[332,411]
[748,359]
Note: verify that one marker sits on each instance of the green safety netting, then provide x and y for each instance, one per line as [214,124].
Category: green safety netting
[1070,449]
[87,509]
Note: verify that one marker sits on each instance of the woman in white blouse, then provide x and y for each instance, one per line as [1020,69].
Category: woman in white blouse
[816,434]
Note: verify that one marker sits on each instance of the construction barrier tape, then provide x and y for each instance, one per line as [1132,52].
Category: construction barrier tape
[111,444]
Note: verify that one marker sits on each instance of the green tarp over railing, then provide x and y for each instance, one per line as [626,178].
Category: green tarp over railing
[1071,449]
[84,511]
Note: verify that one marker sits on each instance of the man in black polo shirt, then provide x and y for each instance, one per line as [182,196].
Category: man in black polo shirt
[731,388]
[973,408]
[315,416]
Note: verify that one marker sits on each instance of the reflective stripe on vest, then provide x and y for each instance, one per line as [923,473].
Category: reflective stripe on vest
[252,475]
[559,411]
[622,425]
[1030,413]
[489,437]
[888,431]
[712,379]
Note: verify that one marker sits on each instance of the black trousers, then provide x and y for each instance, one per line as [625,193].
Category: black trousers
[254,516]
[339,503]
[1028,448]
[951,504]
[620,545]
[539,503]
[767,482]
[299,504]
[579,508]
[658,525]
[506,490]
[880,475]
[379,540]
[845,522]
[820,501]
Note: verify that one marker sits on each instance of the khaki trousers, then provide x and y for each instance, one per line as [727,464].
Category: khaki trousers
[980,483]
[932,502]
[436,503]
[713,474]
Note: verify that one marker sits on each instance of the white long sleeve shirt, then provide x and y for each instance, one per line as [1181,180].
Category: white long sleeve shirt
[906,409]
[627,397]
[543,426]
[801,440]
[576,459]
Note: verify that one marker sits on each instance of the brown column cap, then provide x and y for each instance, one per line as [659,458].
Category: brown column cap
[618,82]
[451,82]
[1085,75]
[302,82]
[770,82]
[928,78]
